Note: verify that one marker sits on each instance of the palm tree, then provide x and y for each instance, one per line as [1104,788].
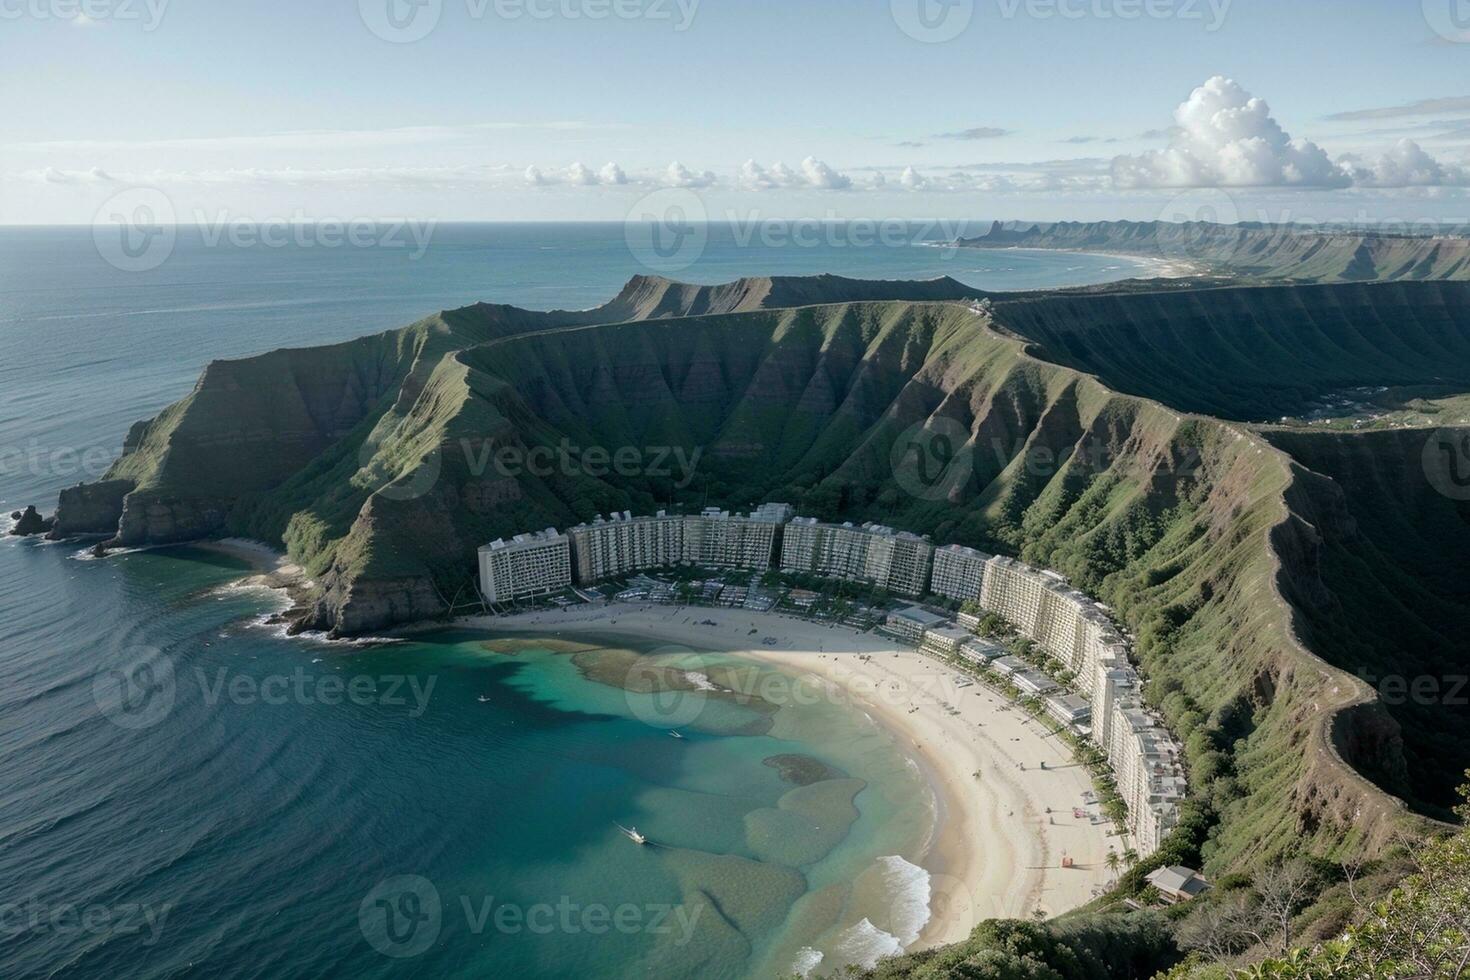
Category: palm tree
[1130,857]
[1113,863]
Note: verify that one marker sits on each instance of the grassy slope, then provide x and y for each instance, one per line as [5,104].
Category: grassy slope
[1168,517]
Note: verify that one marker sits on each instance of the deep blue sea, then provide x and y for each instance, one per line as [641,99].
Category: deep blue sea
[266,807]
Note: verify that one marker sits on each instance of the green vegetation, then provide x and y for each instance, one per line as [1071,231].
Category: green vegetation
[1265,574]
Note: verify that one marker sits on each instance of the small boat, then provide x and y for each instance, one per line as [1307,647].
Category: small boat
[484,698]
[633,835]
[676,734]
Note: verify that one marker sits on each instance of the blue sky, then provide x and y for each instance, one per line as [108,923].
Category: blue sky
[267,108]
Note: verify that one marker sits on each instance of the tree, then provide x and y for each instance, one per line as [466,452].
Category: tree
[1284,890]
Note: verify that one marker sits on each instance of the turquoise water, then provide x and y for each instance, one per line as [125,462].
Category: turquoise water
[239,815]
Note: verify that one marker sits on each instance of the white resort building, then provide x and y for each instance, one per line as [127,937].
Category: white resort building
[959,572]
[527,565]
[893,560]
[1103,696]
[714,538]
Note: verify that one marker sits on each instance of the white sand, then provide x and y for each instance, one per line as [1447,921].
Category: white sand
[996,854]
[277,571]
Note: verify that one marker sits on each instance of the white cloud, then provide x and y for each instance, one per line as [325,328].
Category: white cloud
[1406,165]
[912,179]
[535,177]
[581,175]
[679,175]
[611,173]
[1228,138]
[814,173]
[819,175]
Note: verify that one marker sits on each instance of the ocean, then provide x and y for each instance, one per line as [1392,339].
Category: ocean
[273,807]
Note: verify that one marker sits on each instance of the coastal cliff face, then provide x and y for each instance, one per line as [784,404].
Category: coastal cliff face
[1252,249]
[1051,426]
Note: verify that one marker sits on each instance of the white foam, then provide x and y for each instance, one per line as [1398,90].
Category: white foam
[908,886]
[865,944]
[700,681]
[807,960]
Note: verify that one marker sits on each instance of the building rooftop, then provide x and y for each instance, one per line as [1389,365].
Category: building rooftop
[923,617]
[1178,880]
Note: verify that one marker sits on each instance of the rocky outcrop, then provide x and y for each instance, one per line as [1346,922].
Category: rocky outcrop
[352,607]
[149,519]
[90,508]
[29,522]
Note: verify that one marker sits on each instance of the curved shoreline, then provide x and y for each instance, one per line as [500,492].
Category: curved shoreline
[994,852]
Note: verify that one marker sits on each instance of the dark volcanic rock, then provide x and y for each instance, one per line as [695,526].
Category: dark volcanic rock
[30,522]
[90,508]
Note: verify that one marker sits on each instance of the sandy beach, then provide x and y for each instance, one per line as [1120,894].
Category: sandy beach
[997,852]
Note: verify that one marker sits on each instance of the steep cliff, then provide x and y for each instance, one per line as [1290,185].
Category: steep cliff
[1055,426]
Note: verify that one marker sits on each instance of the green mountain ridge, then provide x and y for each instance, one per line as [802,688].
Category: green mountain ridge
[1271,575]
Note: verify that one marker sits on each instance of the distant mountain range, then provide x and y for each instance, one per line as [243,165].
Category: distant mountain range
[1297,252]
[1270,573]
